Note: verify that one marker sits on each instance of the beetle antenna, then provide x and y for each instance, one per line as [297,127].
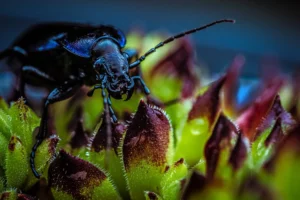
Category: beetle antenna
[170,39]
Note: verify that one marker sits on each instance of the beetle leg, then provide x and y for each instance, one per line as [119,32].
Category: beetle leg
[98,86]
[32,73]
[16,51]
[58,94]
[13,51]
[130,54]
[91,92]
[150,98]
[113,115]
[145,88]
[107,102]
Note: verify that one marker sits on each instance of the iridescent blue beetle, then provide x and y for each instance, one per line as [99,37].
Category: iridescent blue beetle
[64,56]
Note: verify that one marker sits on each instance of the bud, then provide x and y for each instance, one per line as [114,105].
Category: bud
[147,150]
[73,178]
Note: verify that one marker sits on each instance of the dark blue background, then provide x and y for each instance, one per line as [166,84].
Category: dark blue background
[262,28]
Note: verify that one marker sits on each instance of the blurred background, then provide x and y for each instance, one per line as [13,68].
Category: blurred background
[263,28]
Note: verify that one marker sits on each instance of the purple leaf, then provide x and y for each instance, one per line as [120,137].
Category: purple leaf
[221,136]
[208,104]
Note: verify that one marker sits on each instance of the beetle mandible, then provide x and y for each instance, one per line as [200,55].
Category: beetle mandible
[64,56]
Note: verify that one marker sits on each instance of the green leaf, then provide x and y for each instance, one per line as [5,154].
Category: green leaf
[165,88]
[111,163]
[285,178]
[109,159]
[5,124]
[16,164]
[144,176]
[57,194]
[198,127]
[3,104]
[62,117]
[148,42]
[215,191]
[3,149]
[23,123]
[178,114]
[260,152]
[93,107]
[120,106]
[284,165]
[105,191]
[43,157]
[191,145]
[171,183]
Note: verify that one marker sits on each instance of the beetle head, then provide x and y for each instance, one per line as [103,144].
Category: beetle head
[115,68]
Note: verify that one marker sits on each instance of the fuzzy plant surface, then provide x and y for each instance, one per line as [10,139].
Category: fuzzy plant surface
[193,138]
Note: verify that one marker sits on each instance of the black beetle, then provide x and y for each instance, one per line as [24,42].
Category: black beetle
[64,56]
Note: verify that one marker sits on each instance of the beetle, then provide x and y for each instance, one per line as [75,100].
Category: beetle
[62,57]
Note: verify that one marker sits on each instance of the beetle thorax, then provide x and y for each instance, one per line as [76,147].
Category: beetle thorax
[104,46]
[107,53]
